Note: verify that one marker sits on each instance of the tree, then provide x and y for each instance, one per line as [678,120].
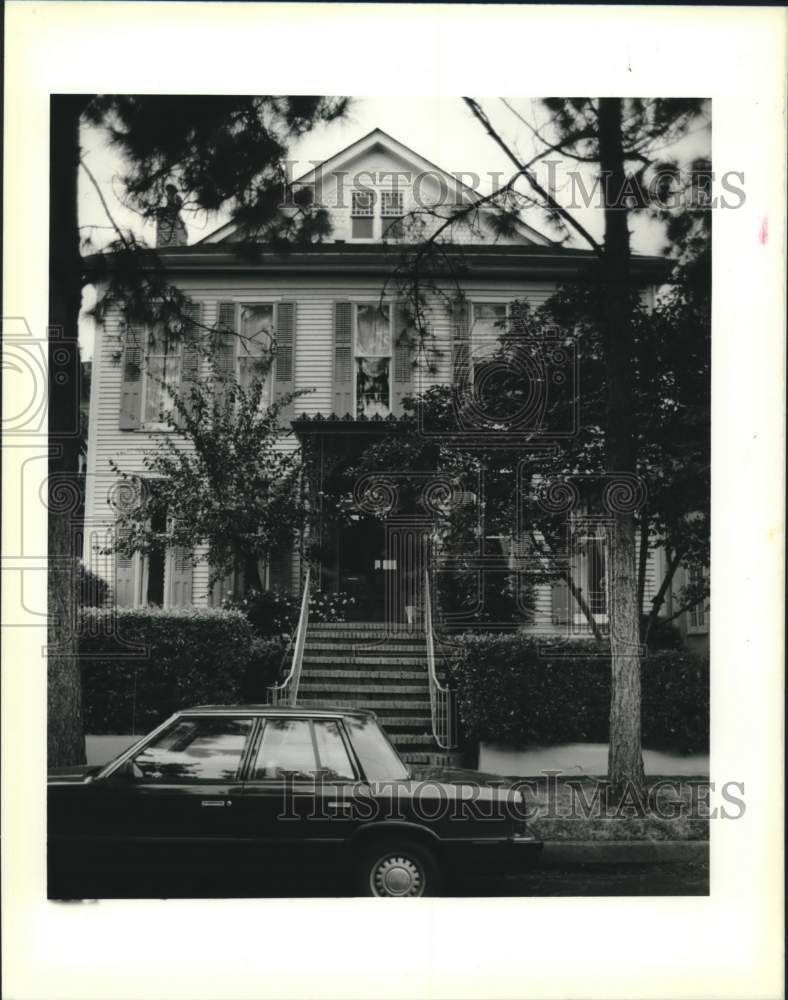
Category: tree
[621,139]
[622,142]
[222,153]
[217,480]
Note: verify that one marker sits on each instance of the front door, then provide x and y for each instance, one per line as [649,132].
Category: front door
[363,567]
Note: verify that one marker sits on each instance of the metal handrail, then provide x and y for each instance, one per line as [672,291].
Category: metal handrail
[443,701]
[286,693]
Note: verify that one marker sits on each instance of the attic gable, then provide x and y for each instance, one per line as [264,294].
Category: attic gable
[395,178]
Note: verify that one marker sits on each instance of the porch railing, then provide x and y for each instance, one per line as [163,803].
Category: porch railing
[443,701]
[286,693]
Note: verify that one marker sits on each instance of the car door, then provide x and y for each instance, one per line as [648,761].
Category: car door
[300,794]
[174,803]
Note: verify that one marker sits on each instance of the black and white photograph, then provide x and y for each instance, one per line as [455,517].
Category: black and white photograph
[373,438]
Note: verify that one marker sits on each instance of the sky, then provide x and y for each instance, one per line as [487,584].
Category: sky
[442,130]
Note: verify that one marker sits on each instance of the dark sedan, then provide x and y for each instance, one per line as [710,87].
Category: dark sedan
[277,790]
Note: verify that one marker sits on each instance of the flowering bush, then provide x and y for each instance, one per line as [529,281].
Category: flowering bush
[332,607]
[275,613]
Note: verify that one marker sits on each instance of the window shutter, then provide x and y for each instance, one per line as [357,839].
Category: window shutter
[561,602]
[343,359]
[190,357]
[460,344]
[124,577]
[180,577]
[130,418]
[284,363]
[225,348]
[402,382]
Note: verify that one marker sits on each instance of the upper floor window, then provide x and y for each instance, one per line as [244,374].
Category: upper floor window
[376,215]
[391,214]
[373,359]
[488,324]
[362,215]
[246,343]
[162,377]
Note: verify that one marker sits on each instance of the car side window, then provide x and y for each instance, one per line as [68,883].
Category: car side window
[287,750]
[334,760]
[194,749]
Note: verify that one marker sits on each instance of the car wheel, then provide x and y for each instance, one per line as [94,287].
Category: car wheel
[398,868]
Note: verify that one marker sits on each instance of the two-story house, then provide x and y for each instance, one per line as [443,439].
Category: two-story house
[335,310]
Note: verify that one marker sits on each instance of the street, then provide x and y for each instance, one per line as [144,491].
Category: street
[666,879]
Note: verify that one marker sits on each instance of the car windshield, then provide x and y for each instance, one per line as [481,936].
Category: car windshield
[378,757]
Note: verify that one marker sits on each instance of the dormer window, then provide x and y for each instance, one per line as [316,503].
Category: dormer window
[362,215]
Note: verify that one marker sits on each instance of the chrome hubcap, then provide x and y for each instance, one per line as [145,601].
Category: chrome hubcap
[397,876]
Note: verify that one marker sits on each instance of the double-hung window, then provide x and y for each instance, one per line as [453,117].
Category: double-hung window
[698,615]
[362,215]
[162,377]
[373,359]
[391,214]
[258,326]
[376,215]
[245,345]
[488,324]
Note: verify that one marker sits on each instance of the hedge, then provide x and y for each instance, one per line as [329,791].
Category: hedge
[141,664]
[512,689]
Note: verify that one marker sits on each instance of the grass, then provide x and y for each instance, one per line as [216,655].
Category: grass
[576,809]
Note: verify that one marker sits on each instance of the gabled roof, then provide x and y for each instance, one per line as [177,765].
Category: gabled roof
[378,139]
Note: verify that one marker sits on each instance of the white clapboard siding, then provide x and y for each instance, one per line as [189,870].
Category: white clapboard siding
[313,369]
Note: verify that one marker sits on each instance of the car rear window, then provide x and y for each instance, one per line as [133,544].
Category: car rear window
[378,757]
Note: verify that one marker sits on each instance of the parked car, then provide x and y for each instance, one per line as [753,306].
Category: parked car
[279,789]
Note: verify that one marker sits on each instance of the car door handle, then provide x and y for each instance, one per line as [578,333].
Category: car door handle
[344,806]
[215,803]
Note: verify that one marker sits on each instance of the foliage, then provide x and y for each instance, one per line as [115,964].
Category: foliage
[224,152]
[461,530]
[275,613]
[219,479]
[141,664]
[93,589]
[662,635]
[519,690]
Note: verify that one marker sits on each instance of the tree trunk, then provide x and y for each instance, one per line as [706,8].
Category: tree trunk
[625,757]
[65,735]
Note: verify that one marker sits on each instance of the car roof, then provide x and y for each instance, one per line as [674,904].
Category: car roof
[321,713]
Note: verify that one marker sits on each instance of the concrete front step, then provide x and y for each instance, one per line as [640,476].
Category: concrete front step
[363,660]
[383,643]
[408,724]
[311,688]
[373,704]
[398,628]
[412,739]
[345,674]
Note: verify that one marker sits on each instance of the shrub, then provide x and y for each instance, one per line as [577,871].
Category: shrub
[513,689]
[93,590]
[141,664]
[663,635]
[275,613]
[270,612]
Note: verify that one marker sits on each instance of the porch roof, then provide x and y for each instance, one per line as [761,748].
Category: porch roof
[454,261]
